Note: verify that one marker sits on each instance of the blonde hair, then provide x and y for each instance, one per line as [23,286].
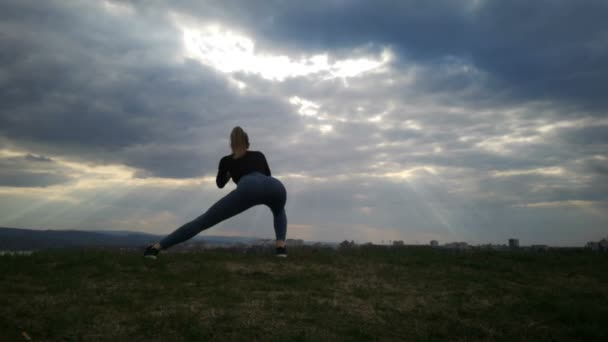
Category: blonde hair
[239,139]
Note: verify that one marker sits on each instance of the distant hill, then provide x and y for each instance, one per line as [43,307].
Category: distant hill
[14,238]
[19,239]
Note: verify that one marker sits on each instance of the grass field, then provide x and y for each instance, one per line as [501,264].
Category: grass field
[364,294]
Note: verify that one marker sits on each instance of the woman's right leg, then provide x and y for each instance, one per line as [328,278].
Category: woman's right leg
[230,205]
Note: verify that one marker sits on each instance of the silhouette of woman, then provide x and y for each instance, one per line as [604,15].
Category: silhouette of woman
[249,170]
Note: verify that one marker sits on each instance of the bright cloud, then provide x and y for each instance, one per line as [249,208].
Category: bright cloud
[228,51]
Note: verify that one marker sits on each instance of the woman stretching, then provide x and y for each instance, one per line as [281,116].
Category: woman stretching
[250,172]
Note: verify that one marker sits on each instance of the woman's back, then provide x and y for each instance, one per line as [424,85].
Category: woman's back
[250,161]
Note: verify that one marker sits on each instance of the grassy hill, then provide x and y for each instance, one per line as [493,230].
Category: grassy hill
[365,294]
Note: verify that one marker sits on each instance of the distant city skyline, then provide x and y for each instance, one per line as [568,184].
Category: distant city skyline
[464,120]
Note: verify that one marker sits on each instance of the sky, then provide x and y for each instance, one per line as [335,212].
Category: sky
[452,120]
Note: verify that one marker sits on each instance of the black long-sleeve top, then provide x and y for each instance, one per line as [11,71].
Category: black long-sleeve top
[229,167]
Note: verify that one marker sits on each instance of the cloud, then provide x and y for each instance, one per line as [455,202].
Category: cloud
[32,157]
[30,171]
[115,95]
[384,120]
[523,48]
[590,135]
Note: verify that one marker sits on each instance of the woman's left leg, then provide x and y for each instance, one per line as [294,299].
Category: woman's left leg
[230,205]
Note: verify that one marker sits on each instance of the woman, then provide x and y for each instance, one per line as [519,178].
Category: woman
[250,172]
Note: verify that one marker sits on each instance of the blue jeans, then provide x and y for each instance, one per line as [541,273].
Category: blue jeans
[252,189]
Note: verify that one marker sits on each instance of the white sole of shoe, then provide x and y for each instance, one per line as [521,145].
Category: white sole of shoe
[150,257]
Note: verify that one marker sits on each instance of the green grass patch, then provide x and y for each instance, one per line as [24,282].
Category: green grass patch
[364,294]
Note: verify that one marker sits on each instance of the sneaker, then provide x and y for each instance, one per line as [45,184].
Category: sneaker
[281,252]
[151,252]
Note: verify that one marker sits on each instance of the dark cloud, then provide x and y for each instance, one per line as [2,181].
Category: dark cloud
[596,166]
[31,171]
[591,135]
[30,179]
[171,161]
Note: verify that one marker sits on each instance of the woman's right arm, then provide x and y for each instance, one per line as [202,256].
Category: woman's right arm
[223,176]
[266,167]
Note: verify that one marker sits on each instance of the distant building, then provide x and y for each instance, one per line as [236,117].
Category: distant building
[594,246]
[265,242]
[295,242]
[16,252]
[398,243]
[493,247]
[457,245]
[600,246]
[603,244]
[347,244]
[514,243]
[434,243]
[539,248]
